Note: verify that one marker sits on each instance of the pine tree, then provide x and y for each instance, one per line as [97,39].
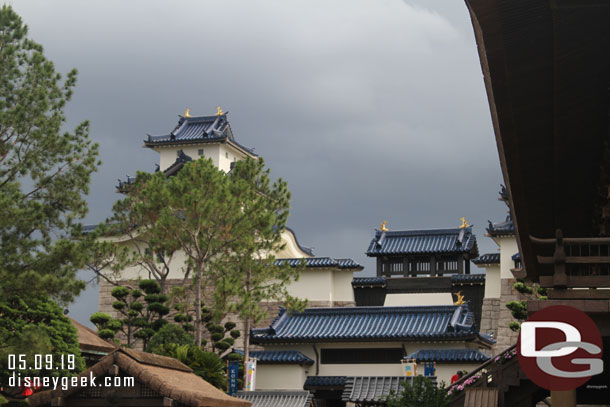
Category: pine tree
[44,172]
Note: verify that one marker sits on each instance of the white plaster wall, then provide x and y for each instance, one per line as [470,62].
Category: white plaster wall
[281,377]
[443,371]
[508,247]
[342,285]
[291,249]
[492,281]
[228,154]
[314,284]
[397,300]
[168,155]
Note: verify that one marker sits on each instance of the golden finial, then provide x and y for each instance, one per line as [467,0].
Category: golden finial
[383,226]
[460,299]
[219,111]
[464,224]
[187,112]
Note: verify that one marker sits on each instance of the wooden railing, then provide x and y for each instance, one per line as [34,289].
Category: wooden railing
[577,263]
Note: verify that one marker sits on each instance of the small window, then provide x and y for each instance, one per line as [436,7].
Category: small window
[227,155]
[200,151]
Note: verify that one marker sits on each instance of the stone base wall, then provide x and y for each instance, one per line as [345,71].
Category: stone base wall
[496,316]
[490,315]
[105,301]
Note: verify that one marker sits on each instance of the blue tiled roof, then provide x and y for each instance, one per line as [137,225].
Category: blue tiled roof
[501,228]
[488,258]
[201,129]
[453,241]
[278,357]
[321,262]
[516,256]
[276,398]
[368,281]
[342,324]
[324,381]
[449,355]
[467,278]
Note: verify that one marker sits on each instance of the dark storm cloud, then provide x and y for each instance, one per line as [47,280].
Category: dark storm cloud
[371,110]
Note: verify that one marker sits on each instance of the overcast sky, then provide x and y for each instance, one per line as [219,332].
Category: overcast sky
[371,110]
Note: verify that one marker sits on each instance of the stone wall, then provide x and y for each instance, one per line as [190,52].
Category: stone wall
[496,316]
[105,301]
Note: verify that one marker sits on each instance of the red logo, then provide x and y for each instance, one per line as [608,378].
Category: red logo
[560,348]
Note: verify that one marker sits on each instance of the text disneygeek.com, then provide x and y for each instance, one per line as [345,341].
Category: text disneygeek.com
[65,382]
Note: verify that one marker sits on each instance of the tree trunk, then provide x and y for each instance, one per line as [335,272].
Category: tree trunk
[198,307]
[247,328]
[246,346]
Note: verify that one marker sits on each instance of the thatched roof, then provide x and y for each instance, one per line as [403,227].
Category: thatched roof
[166,376]
[88,339]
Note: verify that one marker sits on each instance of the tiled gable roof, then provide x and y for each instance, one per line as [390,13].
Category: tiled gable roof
[450,241]
[449,355]
[276,398]
[196,130]
[505,228]
[321,262]
[278,357]
[369,281]
[467,278]
[342,324]
[330,382]
[373,389]
[488,258]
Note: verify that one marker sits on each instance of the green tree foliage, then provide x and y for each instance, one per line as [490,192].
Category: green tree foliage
[421,392]
[142,311]
[518,309]
[250,274]
[216,221]
[207,365]
[169,334]
[44,172]
[33,326]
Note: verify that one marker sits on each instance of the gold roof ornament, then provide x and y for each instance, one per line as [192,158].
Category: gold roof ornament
[464,224]
[460,299]
[187,112]
[219,111]
[383,227]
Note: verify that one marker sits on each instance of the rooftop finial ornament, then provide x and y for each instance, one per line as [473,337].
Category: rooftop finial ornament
[464,224]
[187,112]
[383,227]
[219,111]
[460,299]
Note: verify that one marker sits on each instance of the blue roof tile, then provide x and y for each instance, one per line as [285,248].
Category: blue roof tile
[516,257]
[342,324]
[276,398]
[369,281]
[201,129]
[467,278]
[449,355]
[453,241]
[488,258]
[278,357]
[501,228]
[324,381]
[321,262]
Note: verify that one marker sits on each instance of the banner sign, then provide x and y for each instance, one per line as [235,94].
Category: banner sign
[232,375]
[250,375]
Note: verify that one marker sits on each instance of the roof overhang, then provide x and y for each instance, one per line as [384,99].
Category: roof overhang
[546,67]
